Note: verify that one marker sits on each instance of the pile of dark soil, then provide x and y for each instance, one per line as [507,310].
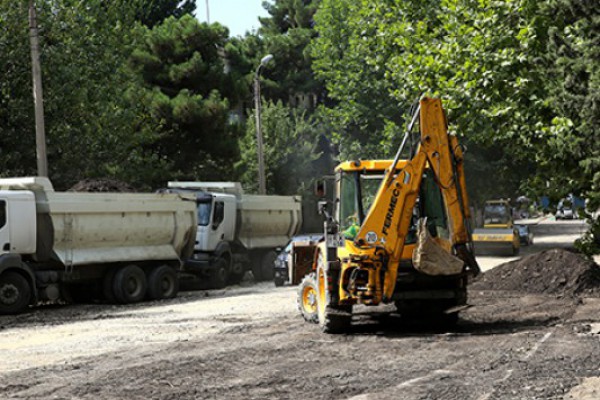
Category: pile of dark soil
[101,185]
[557,272]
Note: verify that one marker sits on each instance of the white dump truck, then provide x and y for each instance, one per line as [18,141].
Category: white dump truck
[63,245]
[238,232]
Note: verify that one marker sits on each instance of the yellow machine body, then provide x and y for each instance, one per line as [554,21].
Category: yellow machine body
[372,237]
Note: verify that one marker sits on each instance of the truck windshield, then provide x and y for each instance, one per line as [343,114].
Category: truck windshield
[204,209]
[357,193]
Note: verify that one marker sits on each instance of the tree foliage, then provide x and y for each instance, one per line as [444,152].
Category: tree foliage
[286,34]
[84,48]
[154,12]
[377,57]
[290,139]
[572,79]
[188,93]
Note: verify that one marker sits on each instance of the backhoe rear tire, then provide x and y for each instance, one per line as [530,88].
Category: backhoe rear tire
[307,298]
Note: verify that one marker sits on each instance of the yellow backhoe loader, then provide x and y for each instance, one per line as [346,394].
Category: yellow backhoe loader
[499,236]
[398,232]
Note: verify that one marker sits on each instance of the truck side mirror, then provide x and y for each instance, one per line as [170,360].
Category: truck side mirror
[219,215]
[322,207]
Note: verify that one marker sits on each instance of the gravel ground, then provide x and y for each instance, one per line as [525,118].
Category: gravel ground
[248,342]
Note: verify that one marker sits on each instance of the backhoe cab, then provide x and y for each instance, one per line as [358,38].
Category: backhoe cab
[398,232]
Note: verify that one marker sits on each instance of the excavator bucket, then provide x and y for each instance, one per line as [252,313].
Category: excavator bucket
[430,258]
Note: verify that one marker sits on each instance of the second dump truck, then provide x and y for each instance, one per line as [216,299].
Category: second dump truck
[237,231]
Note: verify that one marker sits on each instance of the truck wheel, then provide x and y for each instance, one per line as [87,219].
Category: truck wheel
[278,281]
[218,277]
[333,318]
[15,293]
[163,283]
[307,298]
[129,285]
[236,273]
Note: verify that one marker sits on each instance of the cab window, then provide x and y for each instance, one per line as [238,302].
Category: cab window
[219,214]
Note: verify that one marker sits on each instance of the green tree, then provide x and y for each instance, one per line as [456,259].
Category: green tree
[573,81]
[154,12]
[17,140]
[290,140]
[377,57]
[188,92]
[571,155]
[286,34]
[84,48]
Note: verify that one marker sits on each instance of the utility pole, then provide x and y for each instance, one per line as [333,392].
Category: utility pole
[38,99]
[207,13]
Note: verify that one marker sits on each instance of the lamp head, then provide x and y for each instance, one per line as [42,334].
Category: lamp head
[266,59]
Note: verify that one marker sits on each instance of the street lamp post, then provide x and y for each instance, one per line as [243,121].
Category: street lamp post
[262,187]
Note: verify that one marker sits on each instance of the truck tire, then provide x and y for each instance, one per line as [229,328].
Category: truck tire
[163,283]
[333,318]
[219,275]
[15,293]
[236,273]
[129,285]
[307,298]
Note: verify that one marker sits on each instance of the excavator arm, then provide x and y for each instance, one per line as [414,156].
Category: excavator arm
[389,219]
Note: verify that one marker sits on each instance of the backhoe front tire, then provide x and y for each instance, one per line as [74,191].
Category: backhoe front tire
[333,318]
[307,298]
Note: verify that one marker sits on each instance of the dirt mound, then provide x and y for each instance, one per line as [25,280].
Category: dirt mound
[558,272]
[101,185]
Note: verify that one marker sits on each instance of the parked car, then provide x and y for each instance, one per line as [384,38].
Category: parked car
[565,213]
[286,267]
[525,235]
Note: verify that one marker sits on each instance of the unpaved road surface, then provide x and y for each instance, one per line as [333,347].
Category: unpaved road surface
[248,342]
